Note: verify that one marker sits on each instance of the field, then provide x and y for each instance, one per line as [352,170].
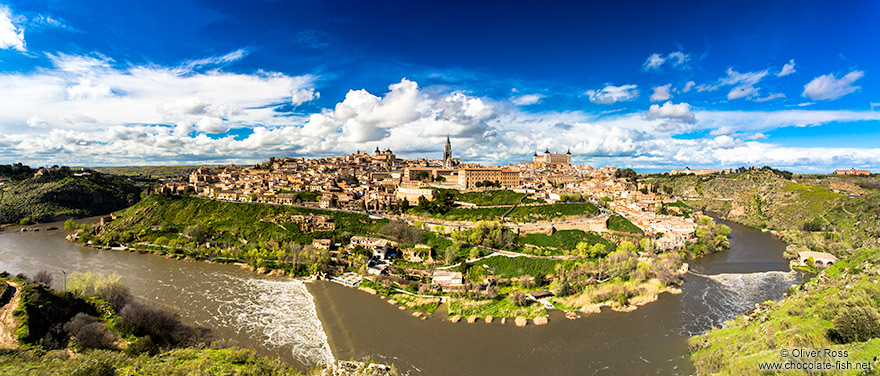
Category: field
[487,198]
[511,267]
[498,307]
[564,239]
[619,223]
[520,214]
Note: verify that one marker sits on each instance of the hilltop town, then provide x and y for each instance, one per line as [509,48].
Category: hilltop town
[383,183]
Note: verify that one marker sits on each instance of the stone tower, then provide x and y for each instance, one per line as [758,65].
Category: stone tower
[447,154]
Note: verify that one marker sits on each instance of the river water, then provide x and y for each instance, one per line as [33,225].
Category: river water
[278,317]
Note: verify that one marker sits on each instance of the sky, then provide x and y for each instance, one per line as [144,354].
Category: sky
[644,85]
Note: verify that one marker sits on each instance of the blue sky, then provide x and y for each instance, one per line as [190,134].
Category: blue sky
[648,85]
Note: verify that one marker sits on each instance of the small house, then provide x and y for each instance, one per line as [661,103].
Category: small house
[819,259]
[447,279]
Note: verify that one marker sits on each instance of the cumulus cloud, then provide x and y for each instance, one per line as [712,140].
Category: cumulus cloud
[745,83]
[527,99]
[770,97]
[723,131]
[676,112]
[677,59]
[655,61]
[94,92]
[688,86]
[757,136]
[612,94]
[828,86]
[11,36]
[661,93]
[300,96]
[787,69]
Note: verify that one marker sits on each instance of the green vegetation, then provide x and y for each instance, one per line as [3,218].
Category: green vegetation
[150,171]
[75,333]
[711,238]
[511,267]
[520,214]
[497,307]
[487,198]
[487,234]
[836,310]
[563,241]
[304,195]
[620,223]
[60,194]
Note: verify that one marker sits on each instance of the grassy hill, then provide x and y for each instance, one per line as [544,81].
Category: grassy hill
[835,310]
[49,198]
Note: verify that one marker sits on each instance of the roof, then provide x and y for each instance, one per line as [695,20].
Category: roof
[817,255]
[445,274]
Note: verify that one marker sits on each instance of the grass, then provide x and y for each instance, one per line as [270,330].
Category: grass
[564,239]
[520,214]
[800,321]
[498,307]
[620,223]
[416,303]
[489,197]
[512,267]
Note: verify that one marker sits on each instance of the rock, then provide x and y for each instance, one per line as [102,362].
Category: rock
[503,320]
[455,319]
[472,319]
[571,315]
[418,314]
[521,321]
[592,308]
[489,320]
[541,320]
[392,301]
[367,290]
[401,308]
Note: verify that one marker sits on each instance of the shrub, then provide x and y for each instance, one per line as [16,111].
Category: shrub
[24,221]
[145,320]
[43,277]
[90,332]
[142,345]
[116,294]
[518,298]
[855,324]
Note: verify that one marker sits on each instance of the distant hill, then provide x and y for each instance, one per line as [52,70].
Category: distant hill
[150,171]
[60,193]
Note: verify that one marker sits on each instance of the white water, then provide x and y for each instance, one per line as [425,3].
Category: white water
[279,313]
[729,294]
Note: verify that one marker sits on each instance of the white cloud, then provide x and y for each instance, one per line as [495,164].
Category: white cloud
[612,94]
[787,69]
[527,99]
[770,97]
[830,87]
[11,36]
[757,137]
[655,61]
[680,58]
[676,112]
[723,131]
[688,86]
[745,83]
[226,59]
[91,92]
[661,93]
[677,59]
[300,96]
[707,87]
[874,105]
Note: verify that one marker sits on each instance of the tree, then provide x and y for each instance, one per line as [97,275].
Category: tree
[42,276]
[855,324]
[25,221]
[423,175]
[518,298]
[69,224]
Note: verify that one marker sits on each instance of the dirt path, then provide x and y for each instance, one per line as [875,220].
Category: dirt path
[8,323]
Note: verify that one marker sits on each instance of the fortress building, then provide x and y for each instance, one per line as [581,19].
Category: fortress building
[550,160]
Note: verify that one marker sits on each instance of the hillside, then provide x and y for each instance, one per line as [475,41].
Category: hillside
[836,309]
[50,198]
[99,329]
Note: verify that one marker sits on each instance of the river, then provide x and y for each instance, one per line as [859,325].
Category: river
[279,318]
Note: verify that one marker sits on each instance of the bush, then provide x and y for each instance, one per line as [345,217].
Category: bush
[143,345]
[855,324]
[145,320]
[116,294]
[43,277]
[518,298]
[90,332]
[24,221]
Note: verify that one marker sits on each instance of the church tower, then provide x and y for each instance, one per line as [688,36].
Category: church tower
[447,154]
